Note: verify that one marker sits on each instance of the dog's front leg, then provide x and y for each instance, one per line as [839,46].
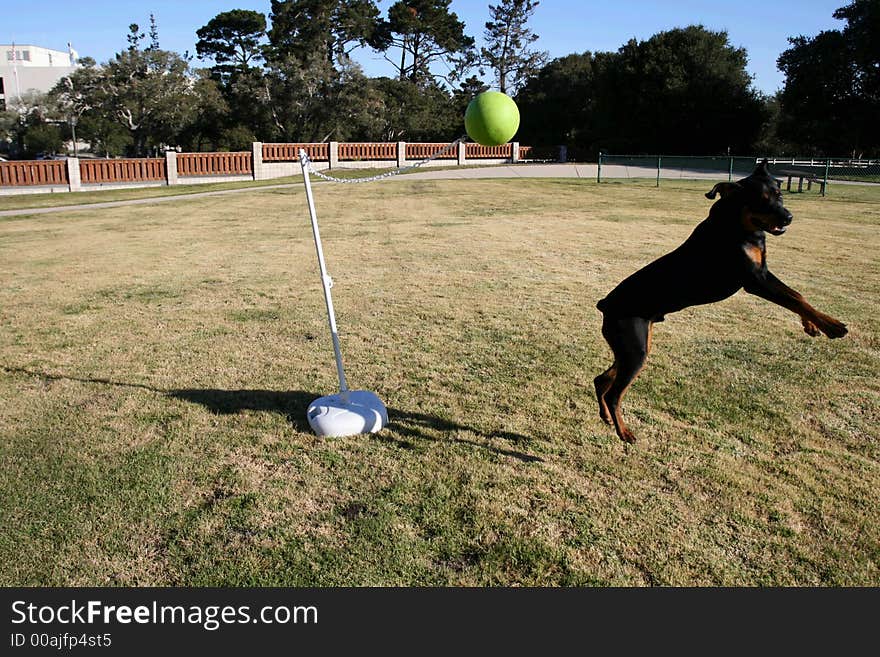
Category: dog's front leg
[767,286]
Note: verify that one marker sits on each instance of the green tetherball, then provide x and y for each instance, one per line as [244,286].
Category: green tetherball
[492,118]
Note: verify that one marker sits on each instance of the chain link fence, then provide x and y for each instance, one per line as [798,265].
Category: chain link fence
[795,174]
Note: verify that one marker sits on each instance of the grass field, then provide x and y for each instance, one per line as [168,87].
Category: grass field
[156,362]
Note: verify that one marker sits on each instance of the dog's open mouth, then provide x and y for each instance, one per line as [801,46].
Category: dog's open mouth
[776,230]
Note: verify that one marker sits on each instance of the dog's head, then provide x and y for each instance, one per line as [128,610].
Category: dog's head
[759,198]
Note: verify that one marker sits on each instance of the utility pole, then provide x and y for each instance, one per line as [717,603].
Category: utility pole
[15,72]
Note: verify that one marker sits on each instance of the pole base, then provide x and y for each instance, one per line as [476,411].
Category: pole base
[331,416]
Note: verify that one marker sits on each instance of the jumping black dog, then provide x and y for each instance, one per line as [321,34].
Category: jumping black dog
[725,253]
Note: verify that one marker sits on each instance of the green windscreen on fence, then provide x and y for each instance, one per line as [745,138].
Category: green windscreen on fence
[794,173]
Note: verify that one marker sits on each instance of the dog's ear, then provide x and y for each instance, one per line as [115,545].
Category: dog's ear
[725,189]
[762,169]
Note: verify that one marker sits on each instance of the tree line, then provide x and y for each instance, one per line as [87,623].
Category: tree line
[292,76]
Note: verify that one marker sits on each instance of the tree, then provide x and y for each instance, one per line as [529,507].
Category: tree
[232,40]
[508,38]
[315,102]
[105,136]
[427,32]
[149,92]
[327,29]
[685,90]
[467,90]
[230,112]
[249,96]
[769,140]
[35,130]
[74,95]
[862,33]
[42,137]
[81,100]
[556,105]
[210,128]
[154,34]
[831,97]
[9,124]
[819,98]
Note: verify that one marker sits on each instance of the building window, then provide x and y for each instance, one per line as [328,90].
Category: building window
[25,55]
[1,87]
[10,55]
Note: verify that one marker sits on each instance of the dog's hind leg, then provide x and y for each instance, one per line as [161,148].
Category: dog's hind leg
[603,384]
[629,338]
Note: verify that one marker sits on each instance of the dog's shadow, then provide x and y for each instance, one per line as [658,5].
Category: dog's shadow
[406,428]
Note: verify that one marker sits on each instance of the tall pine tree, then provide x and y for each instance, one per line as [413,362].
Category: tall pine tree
[427,32]
[508,39]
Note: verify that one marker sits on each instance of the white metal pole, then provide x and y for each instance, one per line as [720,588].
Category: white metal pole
[326,281]
[15,75]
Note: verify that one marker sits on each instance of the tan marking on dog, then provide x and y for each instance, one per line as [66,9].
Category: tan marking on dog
[755,254]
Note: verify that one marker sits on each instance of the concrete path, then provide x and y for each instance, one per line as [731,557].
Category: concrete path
[586,171]
[137,201]
[511,171]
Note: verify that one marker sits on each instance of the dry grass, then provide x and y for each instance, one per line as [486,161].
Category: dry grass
[157,362]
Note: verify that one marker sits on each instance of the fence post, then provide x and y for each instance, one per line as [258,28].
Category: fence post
[514,152]
[825,181]
[659,161]
[171,167]
[599,169]
[730,170]
[74,178]
[462,153]
[257,160]
[401,154]
[334,155]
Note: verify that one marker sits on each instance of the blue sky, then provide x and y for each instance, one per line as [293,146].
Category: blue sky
[97,28]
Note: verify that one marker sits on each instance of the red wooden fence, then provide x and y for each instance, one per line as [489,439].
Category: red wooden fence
[125,170]
[475,151]
[217,164]
[290,152]
[367,151]
[33,172]
[425,150]
[54,172]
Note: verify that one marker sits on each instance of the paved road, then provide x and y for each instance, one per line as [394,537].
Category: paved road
[505,171]
[517,171]
[138,201]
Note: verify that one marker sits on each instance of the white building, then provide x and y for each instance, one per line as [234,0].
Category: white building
[24,67]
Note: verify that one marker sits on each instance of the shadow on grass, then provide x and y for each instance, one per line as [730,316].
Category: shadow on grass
[294,403]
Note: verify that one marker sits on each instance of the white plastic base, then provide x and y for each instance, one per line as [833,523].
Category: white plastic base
[331,416]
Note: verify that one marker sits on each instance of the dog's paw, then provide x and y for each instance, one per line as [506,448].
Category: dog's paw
[627,436]
[809,328]
[832,328]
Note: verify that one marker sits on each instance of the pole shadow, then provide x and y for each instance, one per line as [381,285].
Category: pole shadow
[292,404]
